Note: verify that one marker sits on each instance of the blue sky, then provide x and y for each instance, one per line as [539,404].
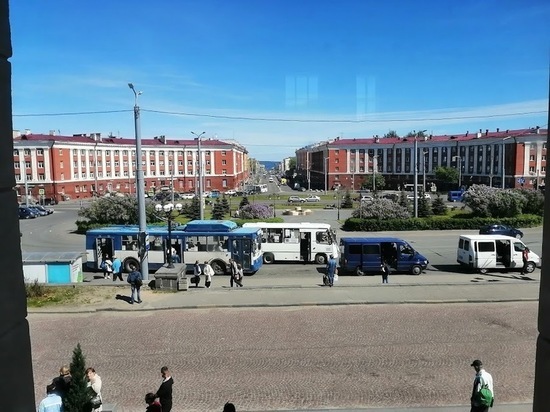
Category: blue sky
[277,75]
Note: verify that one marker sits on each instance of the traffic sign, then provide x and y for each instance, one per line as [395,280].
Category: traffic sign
[521,180]
[41,191]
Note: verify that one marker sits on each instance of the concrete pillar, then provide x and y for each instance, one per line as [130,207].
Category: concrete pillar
[15,345]
[542,367]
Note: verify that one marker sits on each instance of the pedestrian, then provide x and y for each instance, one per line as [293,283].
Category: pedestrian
[208,273]
[197,271]
[164,392]
[152,404]
[117,269]
[385,270]
[107,267]
[331,270]
[240,275]
[525,258]
[234,270]
[52,402]
[136,281]
[62,382]
[229,407]
[94,386]
[482,393]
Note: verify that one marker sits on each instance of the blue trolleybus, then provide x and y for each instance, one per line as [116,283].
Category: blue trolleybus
[215,241]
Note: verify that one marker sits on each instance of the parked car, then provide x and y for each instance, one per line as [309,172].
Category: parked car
[231,192]
[364,198]
[426,196]
[391,196]
[498,229]
[26,213]
[37,211]
[295,199]
[311,198]
[44,209]
[187,196]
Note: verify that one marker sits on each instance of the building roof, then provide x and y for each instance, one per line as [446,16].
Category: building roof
[156,142]
[467,136]
[51,257]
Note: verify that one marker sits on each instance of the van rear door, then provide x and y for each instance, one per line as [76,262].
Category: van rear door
[372,259]
[485,254]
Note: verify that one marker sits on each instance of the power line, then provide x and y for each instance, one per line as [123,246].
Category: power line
[72,113]
[279,119]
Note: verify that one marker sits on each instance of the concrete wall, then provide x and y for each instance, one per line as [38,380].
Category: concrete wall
[17,392]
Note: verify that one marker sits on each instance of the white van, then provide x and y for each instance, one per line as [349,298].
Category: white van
[484,252]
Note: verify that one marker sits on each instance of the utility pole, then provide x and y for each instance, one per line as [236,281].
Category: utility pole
[140,187]
[199,166]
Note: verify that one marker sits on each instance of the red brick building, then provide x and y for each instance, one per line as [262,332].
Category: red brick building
[63,167]
[479,155]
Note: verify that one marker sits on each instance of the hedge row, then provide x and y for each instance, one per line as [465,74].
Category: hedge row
[450,223]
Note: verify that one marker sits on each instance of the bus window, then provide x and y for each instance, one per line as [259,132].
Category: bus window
[129,242]
[292,235]
[274,235]
[322,238]
[155,243]
[355,249]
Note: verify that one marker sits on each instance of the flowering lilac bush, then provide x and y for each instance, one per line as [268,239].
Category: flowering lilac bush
[382,209]
[488,201]
[255,211]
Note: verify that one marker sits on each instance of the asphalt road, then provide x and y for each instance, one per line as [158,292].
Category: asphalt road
[56,233]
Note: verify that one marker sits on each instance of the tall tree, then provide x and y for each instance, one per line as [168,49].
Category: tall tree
[77,397]
[225,204]
[193,211]
[391,133]
[218,211]
[244,202]
[369,180]
[446,174]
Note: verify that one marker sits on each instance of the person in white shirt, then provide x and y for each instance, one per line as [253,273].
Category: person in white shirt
[482,379]
[208,273]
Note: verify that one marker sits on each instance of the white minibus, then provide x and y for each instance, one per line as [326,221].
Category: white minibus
[484,252]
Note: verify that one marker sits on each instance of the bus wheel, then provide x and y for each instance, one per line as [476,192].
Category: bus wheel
[416,270]
[530,267]
[359,272]
[218,266]
[268,258]
[320,259]
[131,264]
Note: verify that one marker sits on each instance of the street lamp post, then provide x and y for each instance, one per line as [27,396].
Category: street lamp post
[168,209]
[415,166]
[140,187]
[459,163]
[199,168]
[325,163]
[338,195]
[424,153]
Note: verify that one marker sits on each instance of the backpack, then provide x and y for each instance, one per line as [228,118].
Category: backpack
[485,396]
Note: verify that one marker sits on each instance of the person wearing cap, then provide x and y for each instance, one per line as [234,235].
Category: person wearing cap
[331,270]
[481,379]
[52,402]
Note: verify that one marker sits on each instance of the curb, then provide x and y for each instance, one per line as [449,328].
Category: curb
[278,305]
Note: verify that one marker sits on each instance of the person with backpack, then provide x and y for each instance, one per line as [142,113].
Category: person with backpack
[135,280]
[482,393]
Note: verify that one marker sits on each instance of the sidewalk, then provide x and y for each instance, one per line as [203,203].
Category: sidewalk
[286,290]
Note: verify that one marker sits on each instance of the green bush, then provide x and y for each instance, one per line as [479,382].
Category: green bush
[458,222]
[240,222]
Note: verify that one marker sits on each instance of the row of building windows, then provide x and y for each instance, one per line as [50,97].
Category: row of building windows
[27,152]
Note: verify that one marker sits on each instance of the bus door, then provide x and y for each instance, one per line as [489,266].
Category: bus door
[305,246]
[241,250]
[174,249]
[103,249]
